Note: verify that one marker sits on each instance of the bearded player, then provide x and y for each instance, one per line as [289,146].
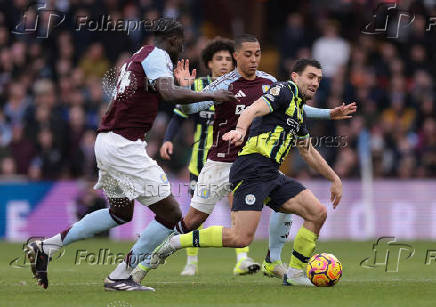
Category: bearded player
[276,123]
[218,58]
[126,172]
[248,84]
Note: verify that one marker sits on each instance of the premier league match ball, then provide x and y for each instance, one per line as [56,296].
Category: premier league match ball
[324,270]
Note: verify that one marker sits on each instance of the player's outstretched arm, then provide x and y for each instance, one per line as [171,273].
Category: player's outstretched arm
[258,108]
[317,162]
[180,95]
[338,113]
[343,112]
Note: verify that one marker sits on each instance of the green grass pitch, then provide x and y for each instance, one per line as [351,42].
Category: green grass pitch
[82,285]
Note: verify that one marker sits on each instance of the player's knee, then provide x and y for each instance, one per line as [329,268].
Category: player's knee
[170,217]
[176,215]
[121,214]
[193,221]
[242,240]
[321,214]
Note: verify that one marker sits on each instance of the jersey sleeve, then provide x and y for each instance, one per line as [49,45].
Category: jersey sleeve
[278,95]
[222,83]
[173,127]
[316,113]
[157,65]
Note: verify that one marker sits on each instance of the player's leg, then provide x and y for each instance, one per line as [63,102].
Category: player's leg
[244,264]
[139,177]
[120,212]
[306,205]
[40,251]
[215,176]
[191,266]
[209,190]
[167,214]
[279,228]
[239,235]
[241,253]
[247,208]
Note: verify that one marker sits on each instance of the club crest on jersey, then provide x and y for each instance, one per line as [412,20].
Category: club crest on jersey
[204,193]
[164,178]
[265,88]
[275,91]
[250,199]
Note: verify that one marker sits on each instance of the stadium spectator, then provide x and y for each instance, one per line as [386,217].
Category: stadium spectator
[331,50]
[52,97]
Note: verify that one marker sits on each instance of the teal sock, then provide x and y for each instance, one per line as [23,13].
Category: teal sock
[153,235]
[90,225]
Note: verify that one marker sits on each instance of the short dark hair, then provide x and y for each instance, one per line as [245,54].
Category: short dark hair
[301,64]
[216,45]
[244,38]
[167,27]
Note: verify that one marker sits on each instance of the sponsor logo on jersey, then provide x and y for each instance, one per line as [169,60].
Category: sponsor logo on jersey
[209,115]
[250,199]
[293,123]
[240,94]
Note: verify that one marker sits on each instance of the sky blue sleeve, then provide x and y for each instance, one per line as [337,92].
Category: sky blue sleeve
[196,107]
[157,65]
[316,113]
[221,83]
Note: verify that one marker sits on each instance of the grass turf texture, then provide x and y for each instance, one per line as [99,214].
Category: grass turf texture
[82,285]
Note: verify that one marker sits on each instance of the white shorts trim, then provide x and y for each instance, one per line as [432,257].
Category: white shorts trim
[212,186]
[126,170]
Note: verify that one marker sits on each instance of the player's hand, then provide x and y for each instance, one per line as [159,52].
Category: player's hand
[344,111]
[166,150]
[336,192]
[182,74]
[224,96]
[234,137]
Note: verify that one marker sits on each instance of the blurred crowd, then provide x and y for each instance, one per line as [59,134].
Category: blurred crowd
[52,97]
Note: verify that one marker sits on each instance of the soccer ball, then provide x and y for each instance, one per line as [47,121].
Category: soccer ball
[324,270]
